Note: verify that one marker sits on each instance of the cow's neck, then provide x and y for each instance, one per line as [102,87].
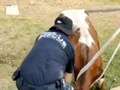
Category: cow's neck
[79,19]
[86,37]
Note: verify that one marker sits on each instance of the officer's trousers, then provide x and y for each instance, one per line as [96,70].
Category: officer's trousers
[58,85]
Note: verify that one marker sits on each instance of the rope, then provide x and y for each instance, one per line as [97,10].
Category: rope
[108,64]
[103,10]
[93,60]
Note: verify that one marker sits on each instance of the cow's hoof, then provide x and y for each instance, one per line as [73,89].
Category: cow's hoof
[101,85]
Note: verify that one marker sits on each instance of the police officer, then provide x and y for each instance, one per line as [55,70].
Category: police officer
[51,57]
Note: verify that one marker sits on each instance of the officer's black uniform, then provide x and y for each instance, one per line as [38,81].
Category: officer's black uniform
[45,65]
[49,59]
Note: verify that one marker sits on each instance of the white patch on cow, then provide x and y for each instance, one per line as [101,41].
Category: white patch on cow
[79,21]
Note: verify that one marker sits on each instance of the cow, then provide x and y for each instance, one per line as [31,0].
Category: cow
[86,44]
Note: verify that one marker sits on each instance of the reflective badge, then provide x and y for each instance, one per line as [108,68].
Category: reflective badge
[68,87]
[54,36]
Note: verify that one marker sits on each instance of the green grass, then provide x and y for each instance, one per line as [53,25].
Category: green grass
[17,35]
[6,82]
[106,25]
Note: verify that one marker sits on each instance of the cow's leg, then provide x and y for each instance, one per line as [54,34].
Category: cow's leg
[87,82]
[84,82]
[102,84]
[85,79]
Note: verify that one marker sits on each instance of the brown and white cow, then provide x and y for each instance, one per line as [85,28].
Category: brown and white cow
[86,45]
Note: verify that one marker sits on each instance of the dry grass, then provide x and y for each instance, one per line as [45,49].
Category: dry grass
[17,34]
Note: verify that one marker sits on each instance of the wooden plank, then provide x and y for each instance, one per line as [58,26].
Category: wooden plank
[12,10]
[116,88]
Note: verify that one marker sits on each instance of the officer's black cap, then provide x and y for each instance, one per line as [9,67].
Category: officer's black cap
[65,24]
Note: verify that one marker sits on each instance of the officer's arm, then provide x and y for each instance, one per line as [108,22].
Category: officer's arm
[70,65]
[69,71]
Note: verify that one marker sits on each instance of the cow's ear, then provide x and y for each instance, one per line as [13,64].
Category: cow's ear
[74,38]
[77,33]
[71,37]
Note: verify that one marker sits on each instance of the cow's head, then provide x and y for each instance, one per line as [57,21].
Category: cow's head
[75,24]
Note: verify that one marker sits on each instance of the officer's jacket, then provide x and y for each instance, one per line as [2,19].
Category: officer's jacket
[49,59]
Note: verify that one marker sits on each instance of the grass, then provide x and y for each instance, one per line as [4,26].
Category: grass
[6,82]
[106,25]
[17,34]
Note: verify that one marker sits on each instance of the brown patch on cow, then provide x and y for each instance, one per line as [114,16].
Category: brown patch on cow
[83,55]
